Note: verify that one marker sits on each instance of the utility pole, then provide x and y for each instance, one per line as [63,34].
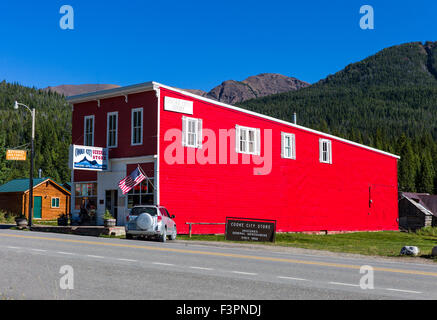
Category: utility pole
[32,153]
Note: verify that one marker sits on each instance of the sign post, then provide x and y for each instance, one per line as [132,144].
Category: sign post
[246,229]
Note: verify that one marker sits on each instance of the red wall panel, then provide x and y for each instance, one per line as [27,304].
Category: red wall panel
[301,194]
[145,100]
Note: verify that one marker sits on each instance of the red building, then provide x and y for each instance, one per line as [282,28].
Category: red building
[207,160]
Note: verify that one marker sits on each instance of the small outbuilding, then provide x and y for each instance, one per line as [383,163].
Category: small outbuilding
[417,210]
[49,198]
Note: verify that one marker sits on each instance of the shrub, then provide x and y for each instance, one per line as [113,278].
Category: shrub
[6,217]
[427,231]
[107,215]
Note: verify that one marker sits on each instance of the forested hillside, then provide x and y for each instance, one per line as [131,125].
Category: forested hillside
[388,101]
[53,132]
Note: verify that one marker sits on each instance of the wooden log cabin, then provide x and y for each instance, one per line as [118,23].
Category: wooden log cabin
[50,199]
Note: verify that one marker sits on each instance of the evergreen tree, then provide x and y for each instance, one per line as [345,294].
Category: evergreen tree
[426,174]
[407,167]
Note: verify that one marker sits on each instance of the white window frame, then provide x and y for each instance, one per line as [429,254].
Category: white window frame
[133,128]
[85,132]
[109,115]
[198,137]
[239,130]
[292,147]
[51,202]
[328,151]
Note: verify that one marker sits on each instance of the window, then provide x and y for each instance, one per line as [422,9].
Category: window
[325,151]
[112,127]
[85,195]
[247,140]
[288,145]
[88,135]
[55,202]
[137,126]
[140,210]
[191,132]
[141,194]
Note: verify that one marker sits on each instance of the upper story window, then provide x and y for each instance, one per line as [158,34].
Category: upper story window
[112,127]
[288,145]
[192,132]
[137,126]
[88,135]
[247,140]
[325,150]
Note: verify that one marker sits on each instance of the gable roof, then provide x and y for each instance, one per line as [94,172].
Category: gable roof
[423,201]
[152,85]
[22,185]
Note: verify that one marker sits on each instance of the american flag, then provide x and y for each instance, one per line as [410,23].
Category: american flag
[131,180]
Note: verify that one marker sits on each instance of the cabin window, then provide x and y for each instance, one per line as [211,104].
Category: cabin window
[112,126]
[191,132]
[137,126]
[325,151]
[55,202]
[247,140]
[88,131]
[288,145]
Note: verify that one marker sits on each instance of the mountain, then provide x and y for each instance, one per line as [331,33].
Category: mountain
[53,132]
[72,90]
[388,101]
[261,85]
[230,91]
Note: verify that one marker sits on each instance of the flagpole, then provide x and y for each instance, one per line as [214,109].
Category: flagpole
[148,179]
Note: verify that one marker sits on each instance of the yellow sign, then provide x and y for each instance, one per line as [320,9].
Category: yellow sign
[16,155]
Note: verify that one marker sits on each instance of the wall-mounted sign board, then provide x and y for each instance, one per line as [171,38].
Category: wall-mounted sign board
[178,105]
[88,158]
[16,155]
[245,229]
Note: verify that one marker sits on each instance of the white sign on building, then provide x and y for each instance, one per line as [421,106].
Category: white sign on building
[178,105]
[88,158]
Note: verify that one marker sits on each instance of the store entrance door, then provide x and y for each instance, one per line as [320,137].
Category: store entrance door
[111,202]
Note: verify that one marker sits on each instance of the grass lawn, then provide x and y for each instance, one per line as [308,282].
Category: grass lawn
[383,243]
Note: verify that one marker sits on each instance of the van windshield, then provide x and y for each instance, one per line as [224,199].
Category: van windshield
[139,210]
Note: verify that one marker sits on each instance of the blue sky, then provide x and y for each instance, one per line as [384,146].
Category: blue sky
[198,44]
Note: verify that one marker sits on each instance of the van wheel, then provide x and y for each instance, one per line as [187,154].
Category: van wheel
[128,236]
[163,237]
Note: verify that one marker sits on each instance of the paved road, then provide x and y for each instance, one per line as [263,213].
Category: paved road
[30,264]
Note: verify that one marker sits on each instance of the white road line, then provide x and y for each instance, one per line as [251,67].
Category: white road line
[93,256]
[344,284]
[201,268]
[291,278]
[62,252]
[399,290]
[11,247]
[128,260]
[39,250]
[246,273]
[163,264]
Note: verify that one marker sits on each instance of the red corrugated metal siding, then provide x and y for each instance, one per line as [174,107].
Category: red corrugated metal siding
[301,194]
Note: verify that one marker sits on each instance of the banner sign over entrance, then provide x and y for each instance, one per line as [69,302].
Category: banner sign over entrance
[244,229]
[88,158]
[16,155]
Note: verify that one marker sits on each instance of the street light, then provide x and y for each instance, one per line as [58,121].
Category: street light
[32,111]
